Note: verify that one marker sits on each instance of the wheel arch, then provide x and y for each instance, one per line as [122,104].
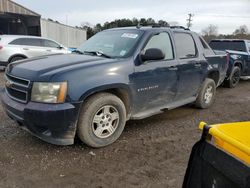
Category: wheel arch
[17,55]
[238,64]
[214,75]
[121,91]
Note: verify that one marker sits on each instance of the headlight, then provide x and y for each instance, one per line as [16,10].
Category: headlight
[49,92]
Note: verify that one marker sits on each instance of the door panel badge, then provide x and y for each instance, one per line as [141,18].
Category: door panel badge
[148,88]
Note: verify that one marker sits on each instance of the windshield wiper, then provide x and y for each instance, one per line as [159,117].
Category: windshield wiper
[97,53]
[77,52]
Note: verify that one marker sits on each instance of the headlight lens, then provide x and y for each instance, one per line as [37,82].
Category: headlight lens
[49,92]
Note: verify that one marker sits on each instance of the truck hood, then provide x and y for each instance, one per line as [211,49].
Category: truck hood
[40,68]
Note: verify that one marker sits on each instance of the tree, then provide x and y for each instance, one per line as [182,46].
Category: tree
[211,30]
[91,30]
[163,23]
[242,30]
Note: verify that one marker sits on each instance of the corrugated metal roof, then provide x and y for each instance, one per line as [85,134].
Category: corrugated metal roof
[8,6]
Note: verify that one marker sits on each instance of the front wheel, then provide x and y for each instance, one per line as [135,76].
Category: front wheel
[16,58]
[101,120]
[206,95]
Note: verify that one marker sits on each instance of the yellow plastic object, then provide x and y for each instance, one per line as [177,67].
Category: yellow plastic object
[233,138]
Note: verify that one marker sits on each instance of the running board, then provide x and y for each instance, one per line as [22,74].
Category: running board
[162,109]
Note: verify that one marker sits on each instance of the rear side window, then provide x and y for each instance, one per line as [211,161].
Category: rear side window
[27,42]
[50,44]
[18,42]
[228,45]
[185,45]
[161,41]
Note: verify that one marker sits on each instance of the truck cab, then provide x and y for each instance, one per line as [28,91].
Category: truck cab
[239,53]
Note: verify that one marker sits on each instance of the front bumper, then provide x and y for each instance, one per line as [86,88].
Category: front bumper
[53,123]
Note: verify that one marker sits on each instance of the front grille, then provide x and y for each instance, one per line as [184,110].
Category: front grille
[18,81]
[17,88]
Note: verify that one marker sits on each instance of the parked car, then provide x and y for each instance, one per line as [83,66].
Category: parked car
[18,47]
[117,75]
[221,158]
[239,64]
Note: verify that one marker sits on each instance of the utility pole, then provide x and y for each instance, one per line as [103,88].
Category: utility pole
[189,20]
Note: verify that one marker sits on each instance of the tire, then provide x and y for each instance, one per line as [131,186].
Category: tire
[206,95]
[234,78]
[109,113]
[16,58]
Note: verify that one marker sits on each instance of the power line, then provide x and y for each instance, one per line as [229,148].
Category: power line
[189,20]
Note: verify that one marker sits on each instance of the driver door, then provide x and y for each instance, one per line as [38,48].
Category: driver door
[155,82]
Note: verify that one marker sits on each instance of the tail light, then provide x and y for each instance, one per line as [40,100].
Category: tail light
[1,47]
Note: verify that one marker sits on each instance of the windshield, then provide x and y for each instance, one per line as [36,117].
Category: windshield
[228,45]
[116,43]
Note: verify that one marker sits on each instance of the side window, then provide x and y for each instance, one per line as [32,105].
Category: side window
[50,44]
[249,46]
[185,45]
[18,42]
[161,41]
[33,42]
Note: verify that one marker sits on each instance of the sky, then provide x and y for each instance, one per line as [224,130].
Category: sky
[227,15]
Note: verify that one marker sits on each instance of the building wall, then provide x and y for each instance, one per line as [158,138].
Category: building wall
[12,7]
[66,35]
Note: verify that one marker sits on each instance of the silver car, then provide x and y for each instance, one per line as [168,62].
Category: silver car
[17,47]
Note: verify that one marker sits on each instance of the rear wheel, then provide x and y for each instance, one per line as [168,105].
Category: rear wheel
[101,120]
[206,96]
[234,78]
[16,58]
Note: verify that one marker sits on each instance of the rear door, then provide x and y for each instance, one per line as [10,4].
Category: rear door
[32,47]
[189,68]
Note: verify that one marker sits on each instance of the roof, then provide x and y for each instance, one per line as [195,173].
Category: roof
[8,6]
[149,28]
[230,40]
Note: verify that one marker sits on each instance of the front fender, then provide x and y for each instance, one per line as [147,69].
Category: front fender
[114,86]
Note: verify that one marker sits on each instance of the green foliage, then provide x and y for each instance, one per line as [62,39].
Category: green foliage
[91,30]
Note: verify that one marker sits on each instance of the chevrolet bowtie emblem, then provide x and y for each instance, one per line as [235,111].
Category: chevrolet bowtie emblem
[9,83]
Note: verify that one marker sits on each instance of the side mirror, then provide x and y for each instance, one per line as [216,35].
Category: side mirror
[152,54]
[60,47]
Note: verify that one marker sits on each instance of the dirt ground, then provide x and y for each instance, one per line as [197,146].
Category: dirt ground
[150,153]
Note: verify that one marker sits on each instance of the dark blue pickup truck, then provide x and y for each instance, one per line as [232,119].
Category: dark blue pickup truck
[117,75]
[239,64]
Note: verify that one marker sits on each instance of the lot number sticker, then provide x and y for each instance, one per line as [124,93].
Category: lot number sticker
[129,35]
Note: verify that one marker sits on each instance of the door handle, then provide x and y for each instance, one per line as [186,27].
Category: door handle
[49,50]
[25,48]
[173,68]
[197,64]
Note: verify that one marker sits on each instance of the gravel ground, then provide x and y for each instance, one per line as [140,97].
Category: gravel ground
[150,153]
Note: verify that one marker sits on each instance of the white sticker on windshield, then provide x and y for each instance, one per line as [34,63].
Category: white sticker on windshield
[130,35]
[123,52]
